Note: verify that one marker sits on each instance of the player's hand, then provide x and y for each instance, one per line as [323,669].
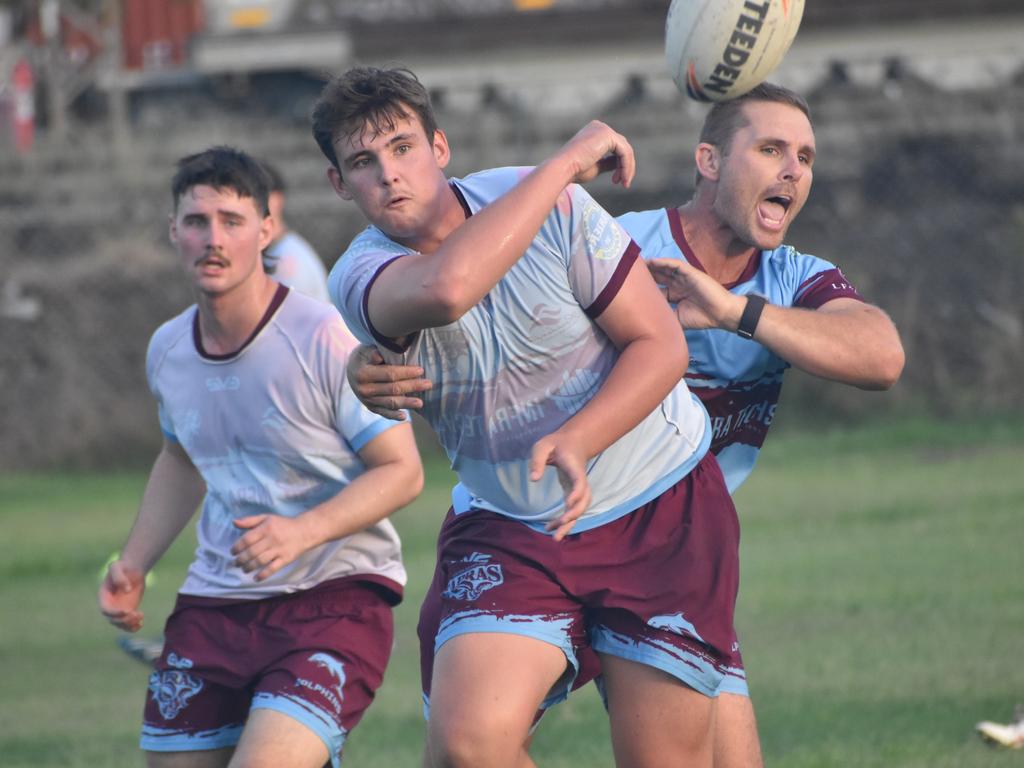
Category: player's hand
[270,543]
[385,389]
[701,301]
[596,149]
[569,461]
[120,596]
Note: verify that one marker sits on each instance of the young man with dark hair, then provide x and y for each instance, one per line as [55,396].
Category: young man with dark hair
[750,306]
[283,626]
[558,397]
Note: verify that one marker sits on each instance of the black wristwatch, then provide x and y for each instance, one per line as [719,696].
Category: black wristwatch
[751,314]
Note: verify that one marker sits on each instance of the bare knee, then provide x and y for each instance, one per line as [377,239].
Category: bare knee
[471,742]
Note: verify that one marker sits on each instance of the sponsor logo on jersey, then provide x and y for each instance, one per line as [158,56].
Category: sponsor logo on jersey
[477,577]
[605,238]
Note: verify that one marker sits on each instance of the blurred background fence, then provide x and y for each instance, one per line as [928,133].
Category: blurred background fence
[918,192]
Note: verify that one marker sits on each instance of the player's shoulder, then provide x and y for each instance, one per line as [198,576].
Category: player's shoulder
[640,223]
[170,336]
[787,257]
[481,187]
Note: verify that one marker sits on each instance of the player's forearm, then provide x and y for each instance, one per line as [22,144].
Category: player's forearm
[173,492]
[858,345]
[371,497]
[440,287]
[646,371]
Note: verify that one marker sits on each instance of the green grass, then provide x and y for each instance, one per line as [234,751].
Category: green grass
[881,609]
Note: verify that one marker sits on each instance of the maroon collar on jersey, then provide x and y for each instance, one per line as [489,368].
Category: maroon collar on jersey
[675,223]
[275,302]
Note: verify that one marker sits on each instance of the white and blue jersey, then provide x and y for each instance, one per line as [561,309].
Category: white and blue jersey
[737,379]
[273,429]
[526,358]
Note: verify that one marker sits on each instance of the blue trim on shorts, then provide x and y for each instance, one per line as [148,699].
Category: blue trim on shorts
[378,427]
[692,669]
[314,718]
[735,683]
[547,631]
[155,739]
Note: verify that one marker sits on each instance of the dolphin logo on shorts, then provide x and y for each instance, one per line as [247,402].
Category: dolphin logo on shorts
[473,581]
[333,666]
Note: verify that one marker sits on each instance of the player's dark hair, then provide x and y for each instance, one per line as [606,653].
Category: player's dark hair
[727,117]
[369,98]
[223,168]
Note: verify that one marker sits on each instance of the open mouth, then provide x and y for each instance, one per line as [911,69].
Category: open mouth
[773,209]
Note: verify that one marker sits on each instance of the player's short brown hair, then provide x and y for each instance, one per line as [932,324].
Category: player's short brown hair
[727,117]
[369,97]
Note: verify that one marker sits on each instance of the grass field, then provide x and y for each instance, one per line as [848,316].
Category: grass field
[881,609]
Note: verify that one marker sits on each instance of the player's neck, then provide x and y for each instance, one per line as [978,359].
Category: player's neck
[227,320]
[723,256]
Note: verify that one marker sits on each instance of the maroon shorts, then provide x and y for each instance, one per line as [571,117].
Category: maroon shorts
[657,586]
[317,656]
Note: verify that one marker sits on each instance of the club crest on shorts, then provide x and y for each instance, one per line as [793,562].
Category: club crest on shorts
[477,577]
[173,688]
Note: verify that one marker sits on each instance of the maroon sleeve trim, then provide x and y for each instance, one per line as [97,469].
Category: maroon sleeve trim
[385,341]
[823,287]
[611,290]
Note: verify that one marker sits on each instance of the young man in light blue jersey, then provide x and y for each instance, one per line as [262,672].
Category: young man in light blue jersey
[283,627]
[751,307]
[559,399]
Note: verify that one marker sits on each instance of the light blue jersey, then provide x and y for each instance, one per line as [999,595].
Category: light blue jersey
[526,358]
[273,429]
[293,262]
[737,379]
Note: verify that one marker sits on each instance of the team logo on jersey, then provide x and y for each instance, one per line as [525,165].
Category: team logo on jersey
[227,383]
[173,688]
[477,577]
[605,238]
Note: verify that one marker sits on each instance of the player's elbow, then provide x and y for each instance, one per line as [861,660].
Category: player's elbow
[886,369]
[891,367]
[448,302]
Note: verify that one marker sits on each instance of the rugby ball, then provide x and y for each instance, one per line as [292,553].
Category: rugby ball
[719,49]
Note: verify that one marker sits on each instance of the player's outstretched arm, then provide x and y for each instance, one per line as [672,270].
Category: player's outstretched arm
[844,340]
[435,289]
[385,389]
[652,358]
[393,478]
[173,492]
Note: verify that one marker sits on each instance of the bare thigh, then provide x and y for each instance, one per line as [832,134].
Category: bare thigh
[210,758]
[274,740]
[656,720]
[736,742]
[487,688]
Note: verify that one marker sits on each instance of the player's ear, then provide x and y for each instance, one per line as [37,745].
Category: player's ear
[708,160]
[338,183]
[266,231]
[172,228]
[442,152]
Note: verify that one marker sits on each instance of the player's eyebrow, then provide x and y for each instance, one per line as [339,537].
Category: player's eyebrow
[804,149]
[396,139]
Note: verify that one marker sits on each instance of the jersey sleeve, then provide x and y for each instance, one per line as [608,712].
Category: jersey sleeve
[352,420]
[349,287]
[600,251]
[821,282]
[154,356]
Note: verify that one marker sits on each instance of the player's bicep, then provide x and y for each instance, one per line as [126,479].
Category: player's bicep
[404,298]
[396,445]
[638,311]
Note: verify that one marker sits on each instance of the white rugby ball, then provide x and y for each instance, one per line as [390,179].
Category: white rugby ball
[719,49]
